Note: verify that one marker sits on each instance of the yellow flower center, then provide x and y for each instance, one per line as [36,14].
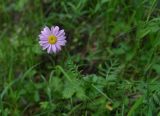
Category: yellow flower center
[52,39]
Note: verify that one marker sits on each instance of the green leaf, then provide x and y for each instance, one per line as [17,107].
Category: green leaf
[156,67]
[69,90]
[135,106]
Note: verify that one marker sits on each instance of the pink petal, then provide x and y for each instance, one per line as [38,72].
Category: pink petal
[55,30]
[60,33]
[52,29]
[54,49]
[43,37]
[46,31]
[62,43]
[58,47]
[45,46]
[43,42]
[62,38]
[49,49]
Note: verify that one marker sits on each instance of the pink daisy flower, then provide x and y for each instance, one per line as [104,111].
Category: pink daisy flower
[52,39]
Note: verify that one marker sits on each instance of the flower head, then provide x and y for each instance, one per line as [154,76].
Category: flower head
[52,39]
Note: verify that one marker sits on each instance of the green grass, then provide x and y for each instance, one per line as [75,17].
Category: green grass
[109,67]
